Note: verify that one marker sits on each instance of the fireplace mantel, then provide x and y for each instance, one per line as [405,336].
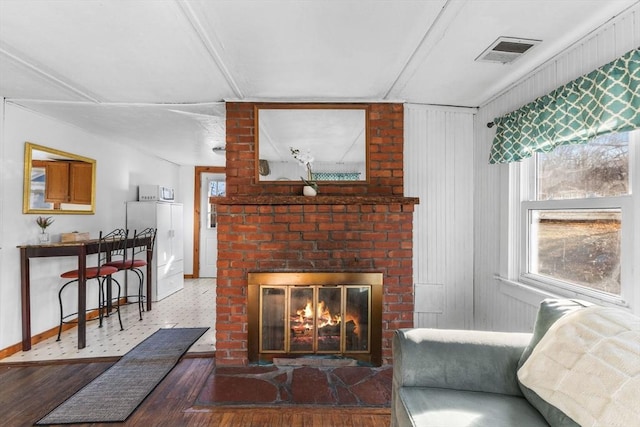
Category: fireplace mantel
[317,200]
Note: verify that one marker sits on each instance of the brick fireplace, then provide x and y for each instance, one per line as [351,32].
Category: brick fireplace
[356,227]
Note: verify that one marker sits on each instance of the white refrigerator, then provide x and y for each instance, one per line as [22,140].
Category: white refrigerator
[168,256]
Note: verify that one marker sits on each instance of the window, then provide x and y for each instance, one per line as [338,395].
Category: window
[576,214]
[217,188]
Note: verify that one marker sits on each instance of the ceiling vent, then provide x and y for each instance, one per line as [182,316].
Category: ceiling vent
[506,50]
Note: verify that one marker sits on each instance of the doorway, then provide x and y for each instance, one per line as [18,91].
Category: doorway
[205,236]
[213,185]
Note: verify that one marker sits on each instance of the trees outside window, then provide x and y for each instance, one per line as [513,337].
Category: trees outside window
[577,215]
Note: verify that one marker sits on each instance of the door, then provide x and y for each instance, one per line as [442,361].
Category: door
[80,182]
[211,185]
[57,182]
[163,249]
[177,238]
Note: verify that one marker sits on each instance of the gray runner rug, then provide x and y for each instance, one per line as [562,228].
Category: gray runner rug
[118,391]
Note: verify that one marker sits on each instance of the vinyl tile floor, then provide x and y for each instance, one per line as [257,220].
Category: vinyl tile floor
[193,306]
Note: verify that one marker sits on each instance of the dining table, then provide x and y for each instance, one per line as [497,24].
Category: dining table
[80,250]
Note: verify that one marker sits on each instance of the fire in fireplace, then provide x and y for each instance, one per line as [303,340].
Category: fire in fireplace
[296,314]
[315,319]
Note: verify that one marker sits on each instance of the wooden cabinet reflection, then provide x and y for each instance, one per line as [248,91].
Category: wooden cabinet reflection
[66,182]
[58,182]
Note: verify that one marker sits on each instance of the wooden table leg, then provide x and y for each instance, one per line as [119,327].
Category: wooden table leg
[149,270]
[82,297]
[26,300]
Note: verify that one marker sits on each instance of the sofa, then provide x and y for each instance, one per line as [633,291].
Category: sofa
[579,366]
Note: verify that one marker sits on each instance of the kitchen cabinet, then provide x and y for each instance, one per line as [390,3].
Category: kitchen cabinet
[80,182]
[168,256]
[68,182]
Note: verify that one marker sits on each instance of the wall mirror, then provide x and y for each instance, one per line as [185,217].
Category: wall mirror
[56,182]
[336,136]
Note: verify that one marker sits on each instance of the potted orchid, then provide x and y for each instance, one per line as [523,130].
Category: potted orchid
[305,160]
[43,223]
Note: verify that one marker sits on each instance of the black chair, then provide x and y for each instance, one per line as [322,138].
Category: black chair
[143,243]
[108,244]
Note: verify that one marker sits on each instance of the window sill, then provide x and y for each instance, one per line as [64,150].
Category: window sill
[531,289]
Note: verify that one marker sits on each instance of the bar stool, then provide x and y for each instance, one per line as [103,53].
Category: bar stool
[142,247]
[114,241]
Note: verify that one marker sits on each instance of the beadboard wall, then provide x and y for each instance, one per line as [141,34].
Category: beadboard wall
[438,165]
[501,305]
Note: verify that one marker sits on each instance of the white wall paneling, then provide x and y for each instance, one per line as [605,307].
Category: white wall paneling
[439,170]
[185,196]
[497,305]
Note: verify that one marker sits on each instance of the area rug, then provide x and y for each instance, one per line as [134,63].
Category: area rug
[118,391]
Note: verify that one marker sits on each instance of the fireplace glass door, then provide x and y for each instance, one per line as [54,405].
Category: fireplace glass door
[315,319]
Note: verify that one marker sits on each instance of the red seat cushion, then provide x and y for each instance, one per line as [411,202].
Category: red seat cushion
[124,265]
[91,272]
[120,265]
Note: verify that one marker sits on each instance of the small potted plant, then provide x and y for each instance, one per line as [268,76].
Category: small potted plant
[311,186]
[43,223]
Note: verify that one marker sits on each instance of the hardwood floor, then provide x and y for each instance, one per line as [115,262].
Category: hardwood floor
[30,391]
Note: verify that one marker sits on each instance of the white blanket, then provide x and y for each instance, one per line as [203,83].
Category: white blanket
[588,366]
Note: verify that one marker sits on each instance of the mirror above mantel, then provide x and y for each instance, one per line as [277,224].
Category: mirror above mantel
[57,182]
[336,136]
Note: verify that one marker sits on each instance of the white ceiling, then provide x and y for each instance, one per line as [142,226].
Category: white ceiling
[155,73]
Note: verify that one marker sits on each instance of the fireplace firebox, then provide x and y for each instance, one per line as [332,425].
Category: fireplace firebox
[298,314]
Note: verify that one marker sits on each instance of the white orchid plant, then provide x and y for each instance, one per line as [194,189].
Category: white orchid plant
[305,160]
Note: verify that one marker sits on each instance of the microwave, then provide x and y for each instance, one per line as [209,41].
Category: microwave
[155,193]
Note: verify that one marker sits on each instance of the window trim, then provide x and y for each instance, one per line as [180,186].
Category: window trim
[522,184]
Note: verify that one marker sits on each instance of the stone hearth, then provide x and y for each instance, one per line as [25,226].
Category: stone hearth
[269,385]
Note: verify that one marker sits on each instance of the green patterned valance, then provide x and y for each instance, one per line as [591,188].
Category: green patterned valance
[605,100]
